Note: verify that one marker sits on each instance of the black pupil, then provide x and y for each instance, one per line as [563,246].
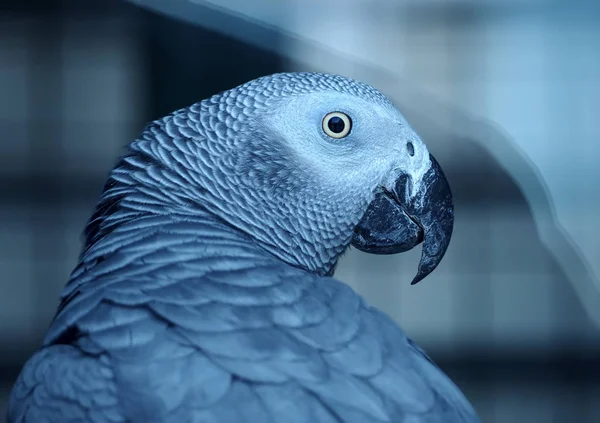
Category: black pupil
[336,124]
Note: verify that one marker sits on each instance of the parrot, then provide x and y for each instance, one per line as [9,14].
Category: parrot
[205,291]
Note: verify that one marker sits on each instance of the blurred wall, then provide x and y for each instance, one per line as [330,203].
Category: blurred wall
[502,315]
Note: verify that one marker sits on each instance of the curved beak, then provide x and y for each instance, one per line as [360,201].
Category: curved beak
[399,219]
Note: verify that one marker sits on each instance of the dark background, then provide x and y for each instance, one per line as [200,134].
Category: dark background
[77,82]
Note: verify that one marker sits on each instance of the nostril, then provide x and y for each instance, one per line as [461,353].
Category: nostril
[411,148]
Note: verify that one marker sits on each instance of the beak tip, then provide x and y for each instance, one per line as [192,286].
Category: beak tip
[419,277]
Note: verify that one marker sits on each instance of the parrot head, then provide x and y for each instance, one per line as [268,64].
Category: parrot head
[306,164]
[356,158]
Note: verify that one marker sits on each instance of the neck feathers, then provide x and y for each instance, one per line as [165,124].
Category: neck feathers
[166,175]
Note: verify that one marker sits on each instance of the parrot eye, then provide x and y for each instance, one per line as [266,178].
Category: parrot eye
[337,124]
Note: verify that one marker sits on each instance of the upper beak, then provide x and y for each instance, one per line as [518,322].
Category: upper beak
[399,219]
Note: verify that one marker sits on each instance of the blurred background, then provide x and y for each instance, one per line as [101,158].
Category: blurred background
[506,93]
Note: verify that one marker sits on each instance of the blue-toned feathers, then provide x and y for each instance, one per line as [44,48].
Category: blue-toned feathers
[186,307]
[170,327]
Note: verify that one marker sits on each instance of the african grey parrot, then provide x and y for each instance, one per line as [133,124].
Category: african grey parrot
[204,291]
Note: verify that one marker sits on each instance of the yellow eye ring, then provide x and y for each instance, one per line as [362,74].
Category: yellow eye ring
[337,124]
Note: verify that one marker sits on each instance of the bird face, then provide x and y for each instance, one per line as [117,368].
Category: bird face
[358,157]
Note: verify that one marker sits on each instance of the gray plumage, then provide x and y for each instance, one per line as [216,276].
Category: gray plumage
[204,289]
